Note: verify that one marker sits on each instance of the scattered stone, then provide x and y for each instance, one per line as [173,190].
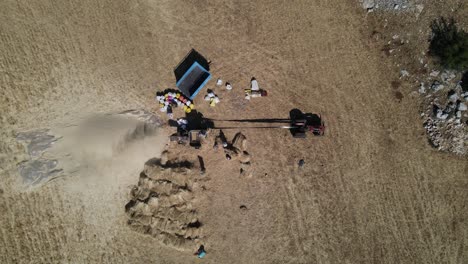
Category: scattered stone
[462,107]
[419,9]
[437,86]
[422,89]
[452,96]
[368,4]
[404,73]
[450,106]
[386,5]
[447,76]
[441,114]
[434,73]
[447,125]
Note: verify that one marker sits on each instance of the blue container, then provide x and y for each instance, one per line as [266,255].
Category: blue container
[201,254]
[193,80]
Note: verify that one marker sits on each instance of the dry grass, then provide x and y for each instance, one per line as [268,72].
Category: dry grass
[372,189]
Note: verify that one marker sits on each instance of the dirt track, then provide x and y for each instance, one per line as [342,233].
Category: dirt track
[372,189]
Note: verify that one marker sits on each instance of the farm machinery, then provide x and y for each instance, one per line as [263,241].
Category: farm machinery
[195,126]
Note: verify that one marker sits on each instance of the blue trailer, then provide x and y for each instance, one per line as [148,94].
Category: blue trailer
[192,74]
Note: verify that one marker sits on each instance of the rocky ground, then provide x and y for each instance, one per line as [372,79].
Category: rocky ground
[445,112]
[443,102]
[393,5]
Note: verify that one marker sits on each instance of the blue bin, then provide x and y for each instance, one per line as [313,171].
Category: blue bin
[193,80]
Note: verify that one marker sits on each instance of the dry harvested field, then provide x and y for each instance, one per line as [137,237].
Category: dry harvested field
[371,191]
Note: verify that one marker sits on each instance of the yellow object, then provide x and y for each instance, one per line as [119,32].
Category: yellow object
[166,95]
[192,106]
[185,108]
[177,95]
[188,110]
[212,102]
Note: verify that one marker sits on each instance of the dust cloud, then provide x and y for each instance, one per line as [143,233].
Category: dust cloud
[107,147]
[101,158]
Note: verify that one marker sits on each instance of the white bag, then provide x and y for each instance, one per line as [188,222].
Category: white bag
[254,85]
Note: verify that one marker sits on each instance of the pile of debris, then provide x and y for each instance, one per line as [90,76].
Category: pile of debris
[393,5]
[445,114]
[161,204]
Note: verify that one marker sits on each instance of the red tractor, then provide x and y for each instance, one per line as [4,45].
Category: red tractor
[307,122]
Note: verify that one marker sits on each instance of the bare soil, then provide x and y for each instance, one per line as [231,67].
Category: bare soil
[372,190]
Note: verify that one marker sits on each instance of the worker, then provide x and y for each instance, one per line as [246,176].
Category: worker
[182,123]
[301,163]
[169,112]
[201,252]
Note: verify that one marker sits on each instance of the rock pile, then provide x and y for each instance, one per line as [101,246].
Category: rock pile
[392,5]
[445,112]
[385,4]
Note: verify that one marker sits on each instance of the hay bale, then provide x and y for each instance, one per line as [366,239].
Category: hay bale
[240,142]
